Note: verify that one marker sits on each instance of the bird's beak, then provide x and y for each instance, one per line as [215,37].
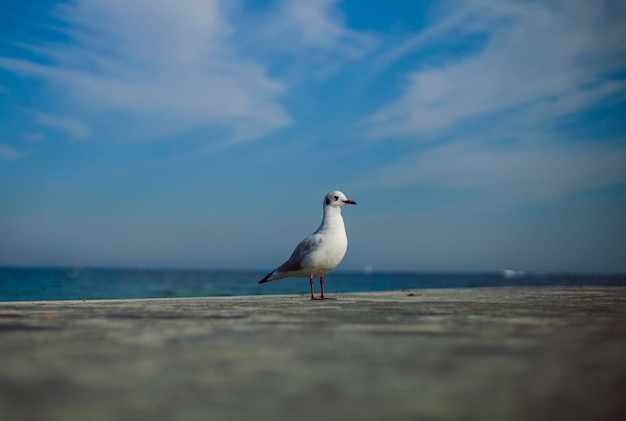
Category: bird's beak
[349,202]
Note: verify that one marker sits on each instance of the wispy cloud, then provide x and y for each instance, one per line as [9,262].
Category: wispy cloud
[176,67]
[306,40]
[544,59]
[76,130]
[157,61]
[490,123]
[506,176]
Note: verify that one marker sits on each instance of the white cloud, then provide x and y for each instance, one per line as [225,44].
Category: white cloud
[542,58]
[506,176]
[303,40]
[71,127]
[319,25]
[541,61]
[167,67]
[159,60]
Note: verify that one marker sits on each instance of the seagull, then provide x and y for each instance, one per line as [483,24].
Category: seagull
[320,252]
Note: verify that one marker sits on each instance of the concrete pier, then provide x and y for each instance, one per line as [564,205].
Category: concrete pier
[550,353]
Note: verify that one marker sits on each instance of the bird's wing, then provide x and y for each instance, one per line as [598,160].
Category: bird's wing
[298,259]
[301,254]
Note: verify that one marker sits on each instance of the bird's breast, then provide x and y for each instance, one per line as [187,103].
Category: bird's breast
[328,255]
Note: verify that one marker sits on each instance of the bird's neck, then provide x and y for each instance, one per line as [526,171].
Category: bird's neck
[332,219]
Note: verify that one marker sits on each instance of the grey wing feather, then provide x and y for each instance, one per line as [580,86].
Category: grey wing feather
[297,259]
[299,255]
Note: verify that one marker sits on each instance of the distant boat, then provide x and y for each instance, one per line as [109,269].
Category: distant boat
[512,274]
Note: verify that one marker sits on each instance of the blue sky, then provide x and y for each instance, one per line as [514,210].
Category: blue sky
[475,135]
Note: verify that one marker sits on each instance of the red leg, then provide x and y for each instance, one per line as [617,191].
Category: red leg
[311,280]
[323,297]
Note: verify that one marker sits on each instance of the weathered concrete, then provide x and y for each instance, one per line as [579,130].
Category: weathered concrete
[523,353]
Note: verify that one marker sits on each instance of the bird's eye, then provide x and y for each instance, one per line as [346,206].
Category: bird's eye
[336,197]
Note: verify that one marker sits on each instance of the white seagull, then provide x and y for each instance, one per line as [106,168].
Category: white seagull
[321,251]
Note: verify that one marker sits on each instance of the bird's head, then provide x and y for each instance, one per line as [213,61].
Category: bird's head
[337,199]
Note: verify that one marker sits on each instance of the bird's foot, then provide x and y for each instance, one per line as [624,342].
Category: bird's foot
[323,297]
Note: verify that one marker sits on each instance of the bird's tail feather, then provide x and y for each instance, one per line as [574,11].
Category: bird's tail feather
[267,277]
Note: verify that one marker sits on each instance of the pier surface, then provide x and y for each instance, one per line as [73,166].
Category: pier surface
[544,353]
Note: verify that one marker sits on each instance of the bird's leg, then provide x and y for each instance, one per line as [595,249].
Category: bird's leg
[311,280]
[322,287]
[323,297]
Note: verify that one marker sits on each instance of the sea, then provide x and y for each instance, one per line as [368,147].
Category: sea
[43,284]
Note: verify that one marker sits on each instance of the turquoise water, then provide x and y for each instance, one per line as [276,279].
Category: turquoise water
[27,284]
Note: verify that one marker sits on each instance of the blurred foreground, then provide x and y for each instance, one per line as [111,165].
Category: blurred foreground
[475,353]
